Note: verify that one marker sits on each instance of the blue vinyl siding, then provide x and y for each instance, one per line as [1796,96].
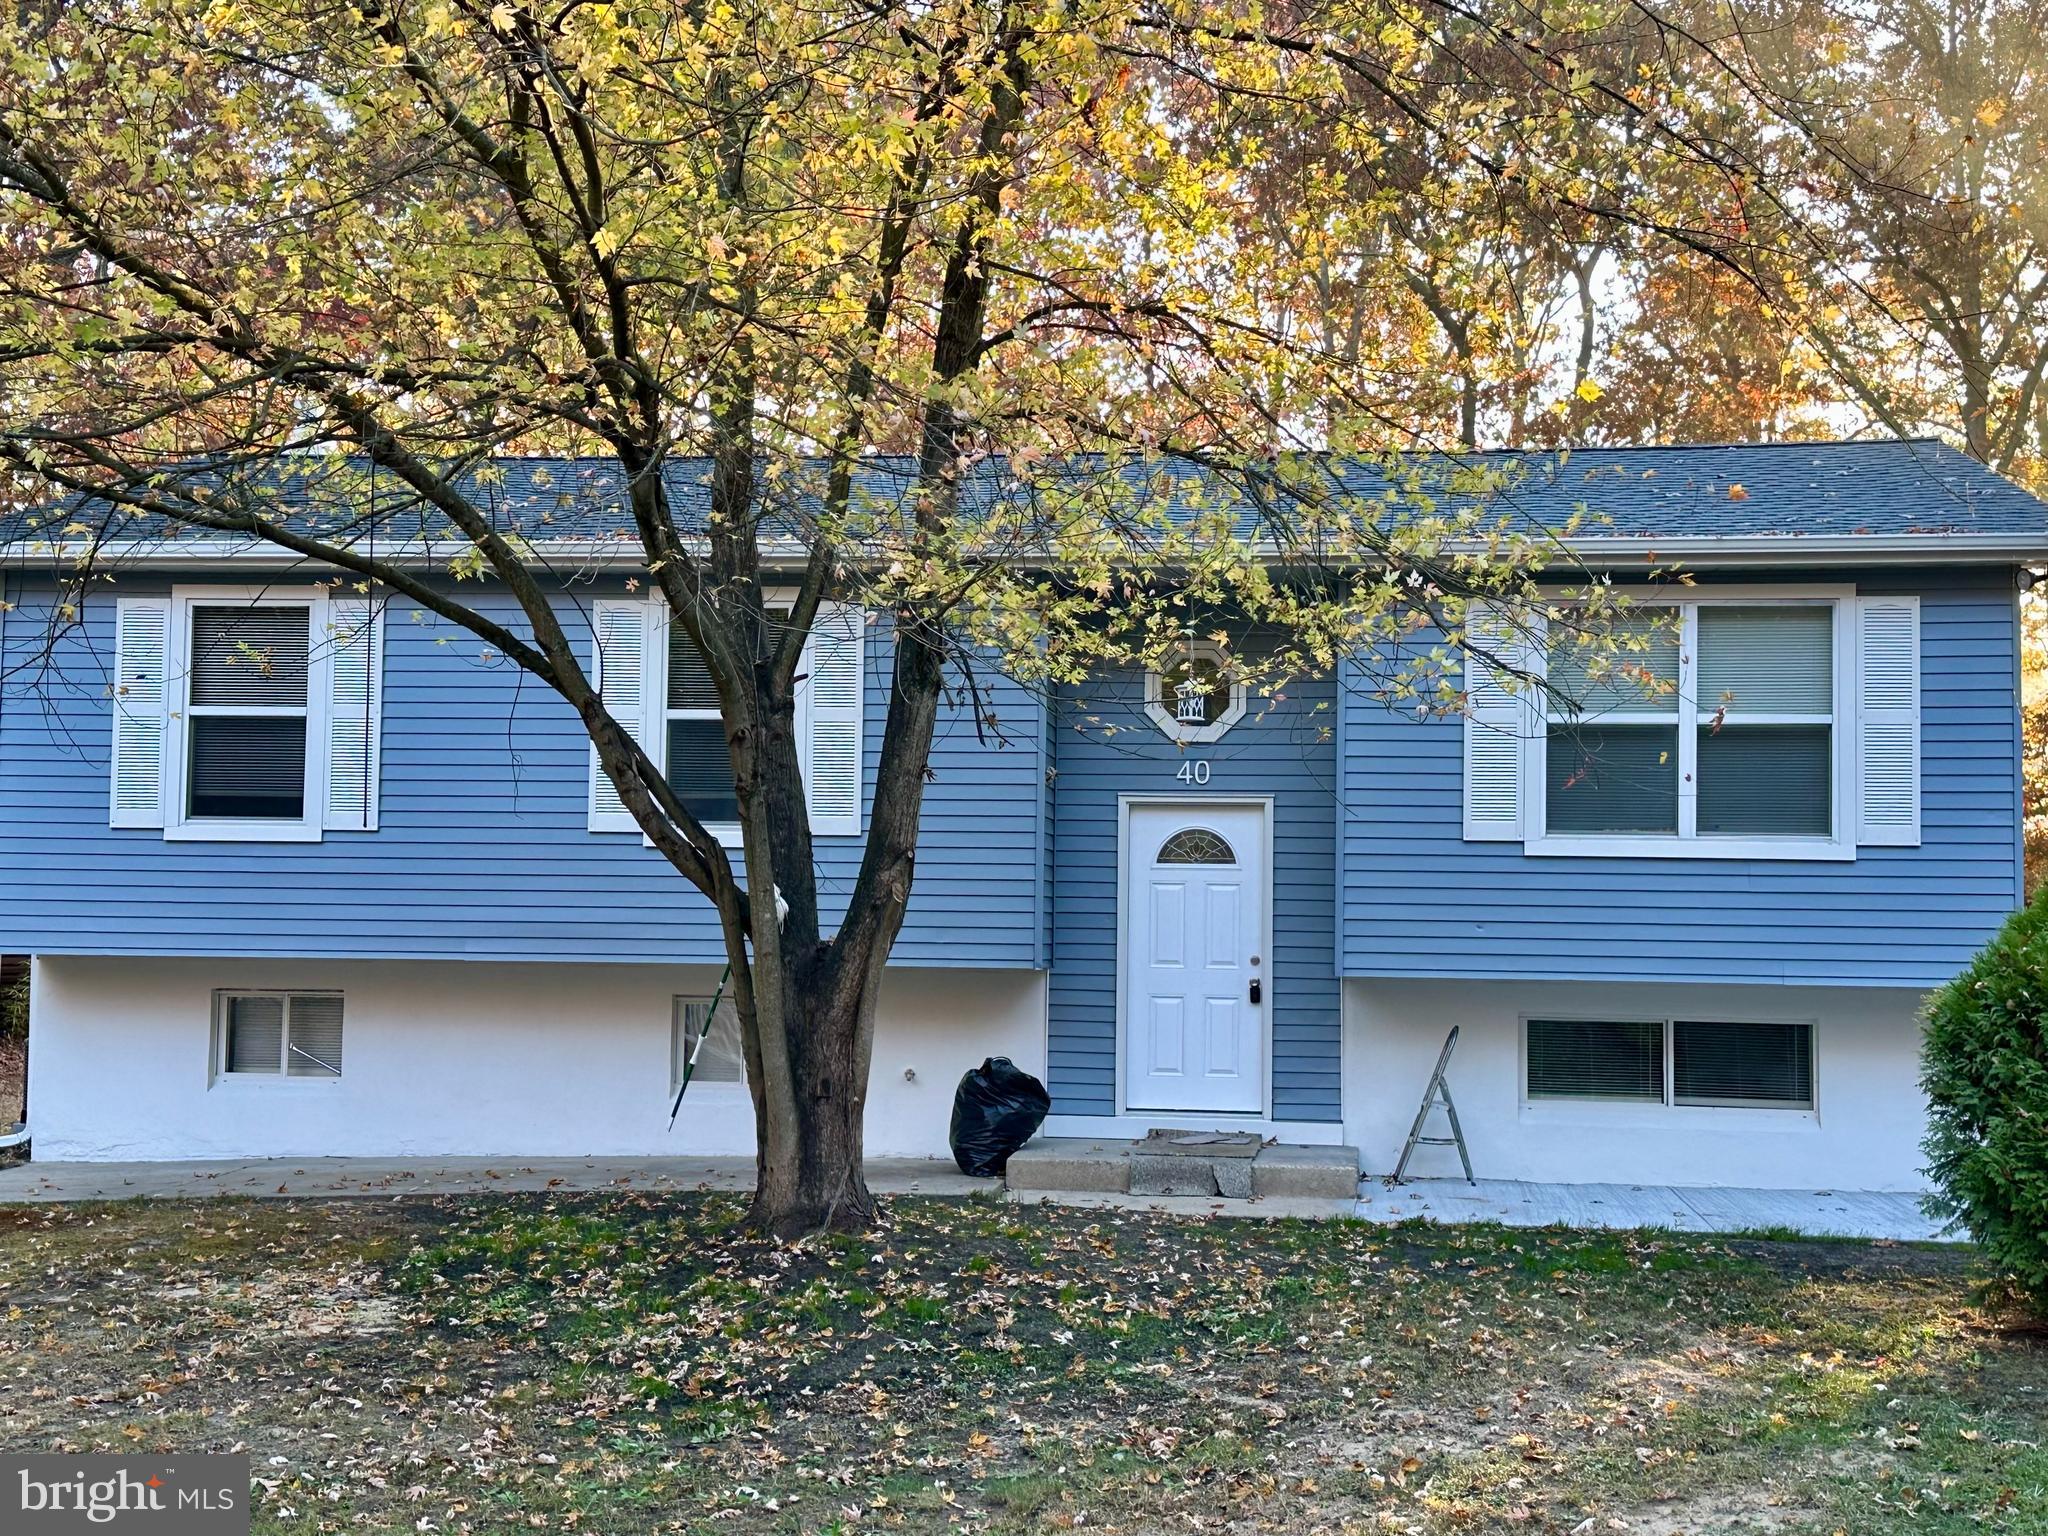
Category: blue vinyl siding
[483,850]
[1417,900]
[1105,747]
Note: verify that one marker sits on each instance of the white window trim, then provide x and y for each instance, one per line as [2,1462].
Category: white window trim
[728,833]
[1618,1114]
[307,828]
[1839,845]
[281,1081]
[1174,729]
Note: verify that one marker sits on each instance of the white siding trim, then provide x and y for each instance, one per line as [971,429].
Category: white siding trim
[1887,639]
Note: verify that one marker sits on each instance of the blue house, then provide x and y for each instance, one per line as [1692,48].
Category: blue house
[373,897]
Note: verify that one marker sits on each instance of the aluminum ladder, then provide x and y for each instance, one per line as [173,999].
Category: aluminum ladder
[1437,1091]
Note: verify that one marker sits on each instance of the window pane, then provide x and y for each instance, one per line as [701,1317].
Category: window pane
[1767,660]
[1766,781]
[250,767]
[700,769]
[721,1060]
[1613,778]
[1770,1065]
[1588,1059]
[1636,670]
[250,656]
[689,680]
[316,1038]
[255,1028]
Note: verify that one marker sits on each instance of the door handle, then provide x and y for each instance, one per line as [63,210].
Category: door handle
[1255,991]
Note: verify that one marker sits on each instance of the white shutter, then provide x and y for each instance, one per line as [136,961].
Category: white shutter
[142,633]
[831,701]
[622,631]
[1496,725]
[1888,721]
[355,638]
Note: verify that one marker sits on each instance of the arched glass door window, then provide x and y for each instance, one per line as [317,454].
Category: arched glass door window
[1196,845]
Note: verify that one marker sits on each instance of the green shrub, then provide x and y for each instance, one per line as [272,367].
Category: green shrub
[1985,1070]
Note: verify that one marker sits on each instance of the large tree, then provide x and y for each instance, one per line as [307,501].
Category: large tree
[1020,244]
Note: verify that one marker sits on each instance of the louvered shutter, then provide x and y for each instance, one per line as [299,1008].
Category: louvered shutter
[1496,725]
[142,633]
[622,631]
[833,697]
[1888,721]
[355,707]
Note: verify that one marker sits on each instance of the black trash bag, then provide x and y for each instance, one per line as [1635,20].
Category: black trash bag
[996,1110]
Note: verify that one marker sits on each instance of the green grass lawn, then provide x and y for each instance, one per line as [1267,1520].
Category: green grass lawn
[632,1363]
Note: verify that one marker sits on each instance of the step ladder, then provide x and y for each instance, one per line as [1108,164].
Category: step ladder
[1437,1092]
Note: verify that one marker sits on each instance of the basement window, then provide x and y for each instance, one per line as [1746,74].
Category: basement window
[721,1060]
[277,1034]
[1690,1063]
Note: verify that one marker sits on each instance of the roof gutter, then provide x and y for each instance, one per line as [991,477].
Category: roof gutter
[1780,549]
[1767,549]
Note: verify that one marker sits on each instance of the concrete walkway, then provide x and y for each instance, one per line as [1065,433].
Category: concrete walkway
[324,1178]
[1817,1213]
[1825,1213]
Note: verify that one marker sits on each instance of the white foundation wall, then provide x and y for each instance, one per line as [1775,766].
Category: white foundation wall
[465,1060]
[1863,1134]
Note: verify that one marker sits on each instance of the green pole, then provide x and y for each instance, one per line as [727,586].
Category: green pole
[690,1066]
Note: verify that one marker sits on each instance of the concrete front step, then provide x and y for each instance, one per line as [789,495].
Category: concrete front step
[1074,1164]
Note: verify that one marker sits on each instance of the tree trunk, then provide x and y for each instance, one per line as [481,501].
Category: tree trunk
[808,1151]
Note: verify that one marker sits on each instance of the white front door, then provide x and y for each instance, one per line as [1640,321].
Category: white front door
[1197,981]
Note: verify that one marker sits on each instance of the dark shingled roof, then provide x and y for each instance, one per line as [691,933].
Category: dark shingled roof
[1881,488]
[1888,488]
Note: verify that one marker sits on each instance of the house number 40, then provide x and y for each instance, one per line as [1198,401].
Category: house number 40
[1195,771]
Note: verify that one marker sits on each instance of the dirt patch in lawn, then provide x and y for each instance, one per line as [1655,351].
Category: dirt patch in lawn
[634,1363]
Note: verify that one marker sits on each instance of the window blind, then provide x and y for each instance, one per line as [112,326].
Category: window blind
[1766,780]
[700,770]
[246,701]
[1776,661]
[248,767]
[1596,1059]
[722,1060]
[1612,778]
[255,1034]
[689,680]
[1632,666]
[315,1045]
[250,657]
[1768,1065]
